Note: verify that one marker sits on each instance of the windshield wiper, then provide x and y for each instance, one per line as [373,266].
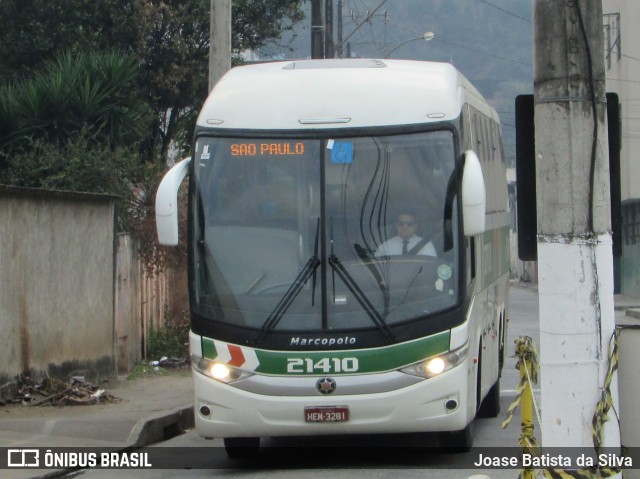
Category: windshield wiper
[361,297]
[285,302]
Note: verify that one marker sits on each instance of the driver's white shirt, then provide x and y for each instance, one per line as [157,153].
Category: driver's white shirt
[394,247]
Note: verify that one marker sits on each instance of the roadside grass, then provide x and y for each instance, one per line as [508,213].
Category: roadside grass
[167,350]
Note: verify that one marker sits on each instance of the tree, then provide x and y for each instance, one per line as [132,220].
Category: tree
[74,91]
[253,23]
[74,125]
[168,38]
[103,121]
[35,32]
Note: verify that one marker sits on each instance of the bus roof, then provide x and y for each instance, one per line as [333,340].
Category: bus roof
[308,94]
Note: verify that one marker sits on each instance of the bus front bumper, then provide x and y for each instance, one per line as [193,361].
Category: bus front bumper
[440,403]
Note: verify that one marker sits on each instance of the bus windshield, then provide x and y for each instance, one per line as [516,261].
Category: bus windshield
[315,235]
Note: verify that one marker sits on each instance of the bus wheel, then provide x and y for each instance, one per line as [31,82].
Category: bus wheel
[457,441]
[490,407]
[241,447]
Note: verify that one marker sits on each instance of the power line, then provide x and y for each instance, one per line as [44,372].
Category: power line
[457,45]
[366,19]
[365,36]
[505,11]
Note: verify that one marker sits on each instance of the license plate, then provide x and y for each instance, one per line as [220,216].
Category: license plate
[326,414]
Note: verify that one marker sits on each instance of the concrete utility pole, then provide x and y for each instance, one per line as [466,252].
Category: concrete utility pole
[574,231]
[219,40]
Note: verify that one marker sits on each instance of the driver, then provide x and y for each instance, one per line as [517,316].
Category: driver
[406,242]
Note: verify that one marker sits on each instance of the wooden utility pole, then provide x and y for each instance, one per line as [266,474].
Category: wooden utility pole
[219,40]
[573,231]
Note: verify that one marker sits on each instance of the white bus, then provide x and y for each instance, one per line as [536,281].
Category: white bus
[302,321]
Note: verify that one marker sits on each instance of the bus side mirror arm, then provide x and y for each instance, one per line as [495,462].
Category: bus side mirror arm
[167,203]
[474,195]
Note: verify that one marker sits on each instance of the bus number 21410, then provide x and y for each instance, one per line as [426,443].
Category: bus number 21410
[324,365]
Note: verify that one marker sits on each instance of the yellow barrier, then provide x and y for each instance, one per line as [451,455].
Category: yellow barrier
[529,367]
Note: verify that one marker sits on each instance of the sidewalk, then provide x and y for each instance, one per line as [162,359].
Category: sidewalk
[149,410]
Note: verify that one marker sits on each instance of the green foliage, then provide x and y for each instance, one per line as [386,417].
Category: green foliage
[95,93]
[82,164]
[167,39]
[73,92]
[171,341]
[254,23]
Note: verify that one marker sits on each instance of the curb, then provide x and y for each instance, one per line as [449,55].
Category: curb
[161,427]
[146,432]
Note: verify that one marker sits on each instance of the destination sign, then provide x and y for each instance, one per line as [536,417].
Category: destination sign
[282,148]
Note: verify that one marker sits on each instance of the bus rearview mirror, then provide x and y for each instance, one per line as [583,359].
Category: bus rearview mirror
[167,203]
[474,195]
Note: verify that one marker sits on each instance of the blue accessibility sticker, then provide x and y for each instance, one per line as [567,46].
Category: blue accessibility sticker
[342,152]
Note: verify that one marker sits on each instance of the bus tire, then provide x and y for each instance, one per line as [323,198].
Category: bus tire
[490,406]
[241,447]
[457,441]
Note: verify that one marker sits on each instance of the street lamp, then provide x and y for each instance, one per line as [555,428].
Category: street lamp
[425,36]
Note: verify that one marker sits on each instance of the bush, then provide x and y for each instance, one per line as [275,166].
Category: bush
[82,164]
[76,91]
[171,341]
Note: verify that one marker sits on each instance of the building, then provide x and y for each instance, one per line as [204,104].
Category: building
[622,64]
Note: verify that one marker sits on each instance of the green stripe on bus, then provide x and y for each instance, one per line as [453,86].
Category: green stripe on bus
[208,348]
[361,361]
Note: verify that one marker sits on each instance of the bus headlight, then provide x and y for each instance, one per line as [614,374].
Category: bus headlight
[435,365]
[217,370]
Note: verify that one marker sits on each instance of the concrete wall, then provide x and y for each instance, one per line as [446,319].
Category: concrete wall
[57,284]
